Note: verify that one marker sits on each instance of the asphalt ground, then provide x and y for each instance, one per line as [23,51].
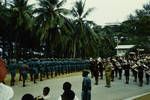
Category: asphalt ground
[118,91]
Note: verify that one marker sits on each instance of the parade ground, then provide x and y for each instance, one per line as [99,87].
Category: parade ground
[118,91]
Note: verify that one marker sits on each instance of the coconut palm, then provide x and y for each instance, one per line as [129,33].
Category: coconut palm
[21,23]
[83,36]
[50,19]
[22,18]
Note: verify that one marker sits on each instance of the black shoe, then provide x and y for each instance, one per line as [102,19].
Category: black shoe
[108,86]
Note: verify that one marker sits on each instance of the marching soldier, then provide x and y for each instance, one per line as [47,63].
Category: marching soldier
[112,71]
[41,66]
[12,68]
[147,74]
[108,69]
[100,67]
[134,70]
[95,72]
[127,71]
[140,73]
[91,66]
[24,70]
[35,71]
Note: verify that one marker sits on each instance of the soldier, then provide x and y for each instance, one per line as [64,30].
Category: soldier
[12,68]
[126,68]
[35,71]
[95,71]
[24,70]
[100,67]
[108,69]
[41,66]
[112,71]
[119,68]
[86,86]
[115,71]
[46,70]
[134,71]
[91,66]
[140,73]
[147,74]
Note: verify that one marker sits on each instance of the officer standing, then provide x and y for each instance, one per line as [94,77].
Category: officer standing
[108,69]
[86,86]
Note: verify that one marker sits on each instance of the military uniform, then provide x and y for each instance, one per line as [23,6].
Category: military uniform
[140,74]
[100,68]
[126,72]
[95,72]
[86,87]
[12,68]
[108,69]
[24,70]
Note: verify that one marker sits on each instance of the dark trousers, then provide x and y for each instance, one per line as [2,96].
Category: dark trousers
[12,81]
[127,79]
[120,73]
[101,73]
[147,78]
[112,75]
[86,95]
[140,81]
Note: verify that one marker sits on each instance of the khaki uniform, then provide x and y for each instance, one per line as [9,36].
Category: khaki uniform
[108,70]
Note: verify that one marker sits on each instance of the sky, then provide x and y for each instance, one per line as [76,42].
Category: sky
[109,11]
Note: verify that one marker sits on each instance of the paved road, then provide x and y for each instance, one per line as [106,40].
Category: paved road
[118,91]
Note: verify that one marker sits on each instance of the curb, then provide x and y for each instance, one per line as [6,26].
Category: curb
[134,97]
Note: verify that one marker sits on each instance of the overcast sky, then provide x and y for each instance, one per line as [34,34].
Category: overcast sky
[109,11]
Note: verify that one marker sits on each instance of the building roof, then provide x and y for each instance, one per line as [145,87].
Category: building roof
[124,46]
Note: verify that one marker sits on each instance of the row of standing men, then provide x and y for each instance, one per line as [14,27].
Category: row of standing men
[39,69]
[115,67]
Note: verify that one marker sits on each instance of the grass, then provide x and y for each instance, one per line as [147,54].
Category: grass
[145,97]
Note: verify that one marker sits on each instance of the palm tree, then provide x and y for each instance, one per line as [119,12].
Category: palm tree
[50,19]
[83,36]
[21,22]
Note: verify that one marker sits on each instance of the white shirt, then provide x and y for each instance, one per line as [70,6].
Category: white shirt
[46,97]
[6,92]
[76,98]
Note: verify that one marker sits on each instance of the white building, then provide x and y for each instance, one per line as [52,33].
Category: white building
[123,49]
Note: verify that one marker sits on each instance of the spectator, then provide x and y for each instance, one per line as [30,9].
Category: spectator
[68,93]
[45,95]
[6,92]
[28,97]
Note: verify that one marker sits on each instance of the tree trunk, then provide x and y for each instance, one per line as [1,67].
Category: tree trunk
[74,49]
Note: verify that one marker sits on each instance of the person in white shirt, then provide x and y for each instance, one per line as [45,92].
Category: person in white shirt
[6,92]
[45,95]
[68,94]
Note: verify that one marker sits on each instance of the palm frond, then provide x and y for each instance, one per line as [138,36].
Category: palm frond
[88,12]
[60,4]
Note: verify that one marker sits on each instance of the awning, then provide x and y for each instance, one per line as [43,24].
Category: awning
[124,46]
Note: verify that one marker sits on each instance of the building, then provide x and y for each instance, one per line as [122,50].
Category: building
[123,49]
